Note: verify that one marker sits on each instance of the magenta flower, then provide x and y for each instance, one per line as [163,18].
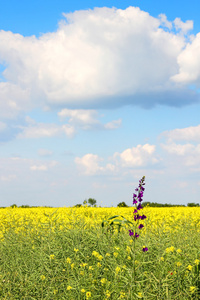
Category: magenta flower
[144,249]
[140,226]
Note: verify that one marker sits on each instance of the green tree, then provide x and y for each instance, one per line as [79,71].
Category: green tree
[122,204]
[92,201]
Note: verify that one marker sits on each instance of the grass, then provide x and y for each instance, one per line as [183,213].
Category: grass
[53,262]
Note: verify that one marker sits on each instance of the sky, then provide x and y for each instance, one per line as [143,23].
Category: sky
[96,94]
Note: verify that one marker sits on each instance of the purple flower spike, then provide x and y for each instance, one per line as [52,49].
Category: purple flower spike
[143,217]
[144,249]
[134,201]
[135,211]
[136,235]
[131,232]
[139,206]
[140,226]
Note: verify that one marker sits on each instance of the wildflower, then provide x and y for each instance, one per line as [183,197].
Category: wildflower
[189,267]
[82,290]
[72,266]
[98,265]
[76,250]
[179,264]
[68,260]
[115,254]
[122,295]
[178,250]
[128,249]
[144,249]
[162,258]
[103,281]
[196,261]
[42,277]
[140,226]
[117,270]
[108,294]
[69,287]
[52,256]
[88,295]
[100,257]
[107,254]
[55,292]
[192,289]
[140,295]
[91,268]
[129,258]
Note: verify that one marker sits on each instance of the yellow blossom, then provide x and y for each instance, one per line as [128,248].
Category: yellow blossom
[68,260]
[72,266]
[192,289]
[196,261]
[117,270]
[91,268]
[42,277]
[162,258]
[122,295]
[189,267]
[76,250]
[108,294]
[107,254]
[179,264]
[82,290]
[140,295]
[88,294]
[98,265]
[69,287]
[129,258]
[178,250]
[103,281]
[115,254]
[52,256]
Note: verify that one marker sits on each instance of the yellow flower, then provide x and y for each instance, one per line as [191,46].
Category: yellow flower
[107,254]
[103,281]
[91,268]
[140,295]
[189,267]
[192,289]
[83,291]
[115,254]
[178,250]
[69,287]
[52,256]
[122,295]
[128,249]
[68,260]
[55,292]
[83,265]
[72,266]
[98,265]
[100,257]
[179,264]
[162,258]
[88,294]
[196,261]
[42,277]
[170,249]
[130,241]
[129,258]
[108,294]
[76,250]
[117,270]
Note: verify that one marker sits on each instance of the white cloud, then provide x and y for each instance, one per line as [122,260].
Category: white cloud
[113,124]
[178,149]
[7,178]
[191,133]
[189,64]
[137,156]
[140,156]
[89,163]
[97,58]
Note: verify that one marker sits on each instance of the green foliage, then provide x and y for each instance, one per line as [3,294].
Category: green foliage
[192,204]
[13,205]
[78,205]
[122,204]
[155,204]
[92,201]
[115,221]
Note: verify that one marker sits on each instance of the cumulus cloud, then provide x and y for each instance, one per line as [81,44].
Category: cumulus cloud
[137,156]
[140,156]
[86,119]
[98,58]
[191,133]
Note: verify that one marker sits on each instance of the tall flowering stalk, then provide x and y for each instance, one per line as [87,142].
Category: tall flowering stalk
[137,202]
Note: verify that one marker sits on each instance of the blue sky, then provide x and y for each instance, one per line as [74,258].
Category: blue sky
[94,96]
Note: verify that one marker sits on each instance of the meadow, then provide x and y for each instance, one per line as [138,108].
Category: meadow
[64,253]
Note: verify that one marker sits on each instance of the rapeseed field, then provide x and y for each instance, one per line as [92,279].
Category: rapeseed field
[64,253]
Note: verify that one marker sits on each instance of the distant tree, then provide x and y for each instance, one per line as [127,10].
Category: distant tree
[13,205]
[78,205]
[92,201]
[122,204]
[192,204]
